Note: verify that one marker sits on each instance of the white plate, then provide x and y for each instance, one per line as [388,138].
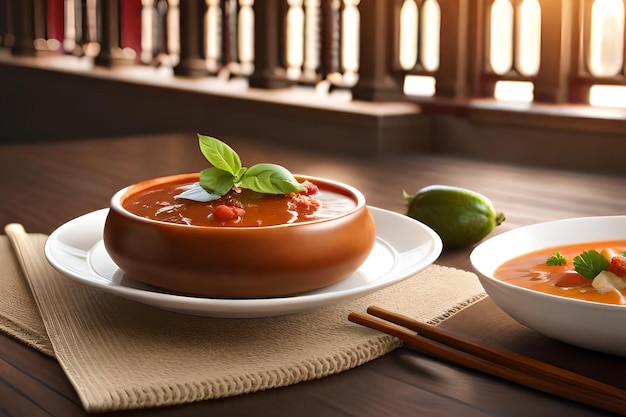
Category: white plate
[403,247]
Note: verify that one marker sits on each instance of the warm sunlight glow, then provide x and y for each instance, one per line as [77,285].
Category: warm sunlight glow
[608,96]
[295,38]
[418,85]
[430,35]
[521,91]
[69,43]
[528,38]
[213,38]
[92,30]
[246,36]
[350,36]
[147,30]
[606,43]
[409,22]
[501,36]
[173,32]
[427,34]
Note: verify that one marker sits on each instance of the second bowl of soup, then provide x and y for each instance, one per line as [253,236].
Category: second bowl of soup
[532,274]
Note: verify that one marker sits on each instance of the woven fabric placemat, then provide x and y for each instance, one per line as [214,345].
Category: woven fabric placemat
[19,315]
[119,354]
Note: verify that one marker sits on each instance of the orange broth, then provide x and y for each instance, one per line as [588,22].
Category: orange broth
[158,203]
[530,271]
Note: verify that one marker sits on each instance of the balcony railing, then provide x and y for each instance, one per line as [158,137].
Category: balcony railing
[553,51]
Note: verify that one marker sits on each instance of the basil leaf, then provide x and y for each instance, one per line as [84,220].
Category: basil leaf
[270,179]
[220,155]
[590,263]
[216,181]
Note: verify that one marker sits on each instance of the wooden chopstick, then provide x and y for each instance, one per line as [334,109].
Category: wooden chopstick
[496,362]
[493,354]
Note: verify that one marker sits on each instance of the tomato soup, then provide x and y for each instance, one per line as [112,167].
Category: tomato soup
[531,271]
[248,208]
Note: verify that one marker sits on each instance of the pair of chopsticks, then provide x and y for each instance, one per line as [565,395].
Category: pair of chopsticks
[496,362]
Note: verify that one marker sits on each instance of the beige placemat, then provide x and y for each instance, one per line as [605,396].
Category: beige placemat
[119,354]
[19,316]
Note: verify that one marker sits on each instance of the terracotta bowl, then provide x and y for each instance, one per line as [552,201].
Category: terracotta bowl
[239,262]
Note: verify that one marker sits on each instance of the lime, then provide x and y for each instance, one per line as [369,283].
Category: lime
[461,217]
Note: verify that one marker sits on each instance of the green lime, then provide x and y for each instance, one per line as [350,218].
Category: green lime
[461,217]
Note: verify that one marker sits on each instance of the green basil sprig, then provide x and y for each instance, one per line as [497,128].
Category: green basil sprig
[227,172]
[590,263]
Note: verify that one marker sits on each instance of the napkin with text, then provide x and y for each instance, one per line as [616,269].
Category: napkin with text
[120,355]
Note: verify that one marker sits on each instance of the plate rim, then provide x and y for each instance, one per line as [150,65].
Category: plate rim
[249,308]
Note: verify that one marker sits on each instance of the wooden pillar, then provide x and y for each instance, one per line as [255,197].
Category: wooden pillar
[452,75]
[330,61]
[270,18]
[229,32]
[580,82]
[6,24]
[551,82]
[76,37]
[161,46]
[192,54]
[40,11]
[378,49]
[486,84]
[24,28]
[111,53]
[475,44]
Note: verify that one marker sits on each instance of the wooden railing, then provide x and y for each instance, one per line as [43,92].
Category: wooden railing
[458,49]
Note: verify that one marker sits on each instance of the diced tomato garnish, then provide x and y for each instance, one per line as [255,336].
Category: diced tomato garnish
[224,213]
[618,266]
[310,188]
[572,279]
[304,204]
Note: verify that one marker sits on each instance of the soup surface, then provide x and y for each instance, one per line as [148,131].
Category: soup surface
[239,208]
[532,271]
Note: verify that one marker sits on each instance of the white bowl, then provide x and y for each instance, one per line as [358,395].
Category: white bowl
[590,325]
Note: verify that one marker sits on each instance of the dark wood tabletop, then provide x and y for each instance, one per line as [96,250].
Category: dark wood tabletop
[44,184]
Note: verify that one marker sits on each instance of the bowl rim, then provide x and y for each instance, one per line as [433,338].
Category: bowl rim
[352,192]
[482,275]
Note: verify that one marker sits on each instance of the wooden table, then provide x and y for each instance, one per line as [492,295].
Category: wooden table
[44,184]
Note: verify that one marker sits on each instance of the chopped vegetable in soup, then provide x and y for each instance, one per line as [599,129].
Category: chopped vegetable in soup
[593,271]
[239,207]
